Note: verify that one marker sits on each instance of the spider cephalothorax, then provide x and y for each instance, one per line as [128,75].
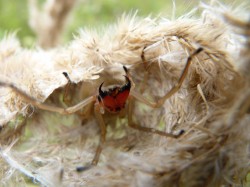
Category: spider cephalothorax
[114,99]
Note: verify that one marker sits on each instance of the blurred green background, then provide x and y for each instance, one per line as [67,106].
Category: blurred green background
[92,14]
[87,13]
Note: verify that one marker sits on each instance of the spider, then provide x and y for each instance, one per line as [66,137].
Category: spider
[113,101]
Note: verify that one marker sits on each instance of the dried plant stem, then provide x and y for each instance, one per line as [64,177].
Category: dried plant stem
[49,23]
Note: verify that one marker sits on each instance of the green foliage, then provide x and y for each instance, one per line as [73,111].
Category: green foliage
[14,18]
[100,13]
[14,15]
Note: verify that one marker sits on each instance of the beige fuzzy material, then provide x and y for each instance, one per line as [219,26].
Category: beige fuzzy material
[211,106]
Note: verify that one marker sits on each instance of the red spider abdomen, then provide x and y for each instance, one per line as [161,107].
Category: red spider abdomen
[115,98]
[115,103]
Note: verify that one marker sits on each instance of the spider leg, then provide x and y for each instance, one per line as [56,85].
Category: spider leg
[66,99]
[102,140]
[160,102]
[102,137]
[47,107]
[147,129]
[145,76]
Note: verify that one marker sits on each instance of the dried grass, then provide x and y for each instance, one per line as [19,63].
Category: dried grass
[212,105]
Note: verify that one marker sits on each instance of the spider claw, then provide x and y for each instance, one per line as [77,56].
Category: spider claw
[66,75]
[181,133]
[199,50]
[83,168]
[125,69]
